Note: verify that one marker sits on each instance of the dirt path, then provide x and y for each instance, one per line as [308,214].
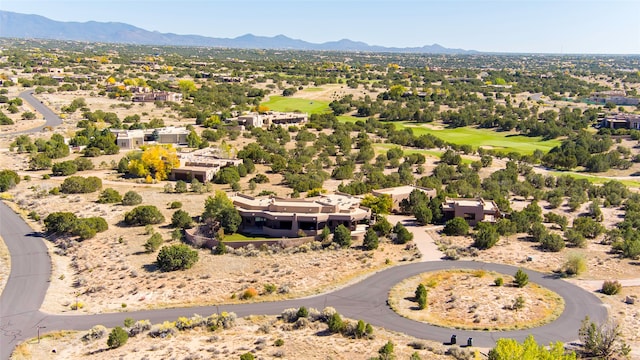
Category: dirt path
[421,237]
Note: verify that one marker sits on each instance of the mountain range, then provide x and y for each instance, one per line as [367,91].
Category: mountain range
[26,26]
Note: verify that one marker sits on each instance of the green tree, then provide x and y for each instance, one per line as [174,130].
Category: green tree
[456,227]
[403,235]
[230,220]
[64,168]
[521,279]
[342,236]
[176,257]
[486,236]
[602,340]
[117,337]
[181,219]
[382,226]
[370,241]
[422,213]
[8,180]
[144,215]
[421,296]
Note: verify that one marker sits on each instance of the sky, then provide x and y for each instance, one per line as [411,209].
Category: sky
[517,26]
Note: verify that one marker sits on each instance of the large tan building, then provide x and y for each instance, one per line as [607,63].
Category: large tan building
[472,210]
[278,217]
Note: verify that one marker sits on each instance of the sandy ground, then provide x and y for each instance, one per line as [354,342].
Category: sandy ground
[421,237]
[254,334]
[458,299]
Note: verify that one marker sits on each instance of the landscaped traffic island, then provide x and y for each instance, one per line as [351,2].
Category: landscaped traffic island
[475,300]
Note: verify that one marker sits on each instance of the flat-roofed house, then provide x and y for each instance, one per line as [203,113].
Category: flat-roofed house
[278,217]
[622,121]
[129,139]
[472,210]
[172,135]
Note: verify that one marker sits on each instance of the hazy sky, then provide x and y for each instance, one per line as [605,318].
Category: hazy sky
[548,26]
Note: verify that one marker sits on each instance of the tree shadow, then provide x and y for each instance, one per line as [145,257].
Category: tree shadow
[150,267]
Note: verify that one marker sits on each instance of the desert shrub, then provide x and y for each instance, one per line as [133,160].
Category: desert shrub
[521,279]
[386,351]
[95,333]
[153,243]
[131,198]
[456,226]
[80,185]
[163,330]
[335,323]
[289,315]
[175,205]
[270,288]
[109,196]
[498,281]
[327,313]
[302,312]
[249,293]
[247,356]
[139,327]
[128,322]
[117,337]
[176,257]
[225,320]
[576,264]
[611,287]
[144,215]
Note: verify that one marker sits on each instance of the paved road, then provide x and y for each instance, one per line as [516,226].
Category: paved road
[366,300]
[51,118]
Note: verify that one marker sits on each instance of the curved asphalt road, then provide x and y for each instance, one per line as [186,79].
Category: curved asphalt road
[30,270]
[51,118]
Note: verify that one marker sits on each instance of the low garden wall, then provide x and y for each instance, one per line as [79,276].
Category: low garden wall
[210,243]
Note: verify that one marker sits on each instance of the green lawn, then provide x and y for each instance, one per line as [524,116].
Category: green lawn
[313,89]
[595,179]
[503,141]
[240,237]
[289,104]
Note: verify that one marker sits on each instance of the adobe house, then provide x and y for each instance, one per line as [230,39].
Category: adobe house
[472,210]
[278,217]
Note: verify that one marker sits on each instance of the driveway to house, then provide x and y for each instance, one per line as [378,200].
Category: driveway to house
[51,118]
[424,242]
[22,297]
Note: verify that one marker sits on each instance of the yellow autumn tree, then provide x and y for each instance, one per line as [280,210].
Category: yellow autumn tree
[156,161]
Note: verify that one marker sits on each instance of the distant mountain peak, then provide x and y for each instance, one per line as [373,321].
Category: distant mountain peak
[16,25]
